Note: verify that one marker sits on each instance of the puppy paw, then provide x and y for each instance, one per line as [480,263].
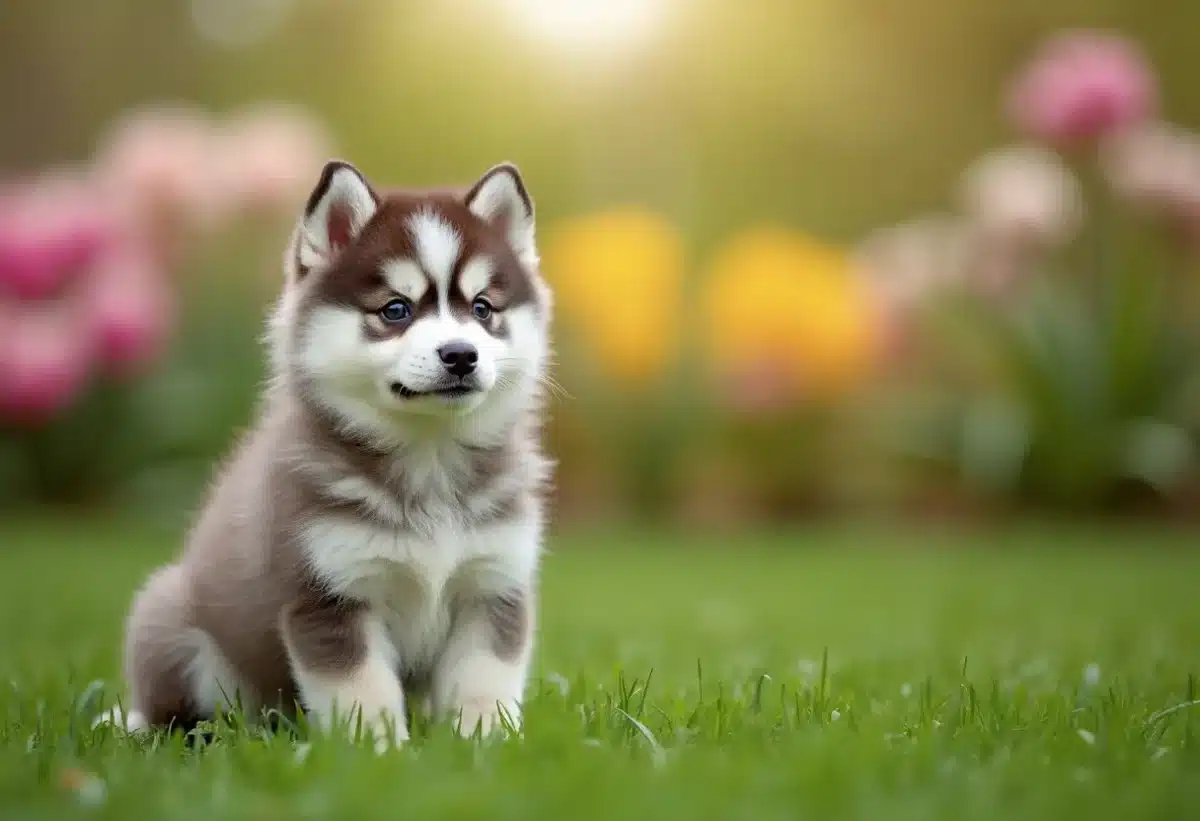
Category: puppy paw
[487,716]
[388,732]
[131,722]
[385,730]
[385,742]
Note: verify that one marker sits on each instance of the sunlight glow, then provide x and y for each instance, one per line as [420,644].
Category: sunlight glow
[589,23]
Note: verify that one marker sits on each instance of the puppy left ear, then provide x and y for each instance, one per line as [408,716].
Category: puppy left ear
[500,199]
[339,207]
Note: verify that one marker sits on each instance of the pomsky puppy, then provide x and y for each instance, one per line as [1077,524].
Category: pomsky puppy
[375,537]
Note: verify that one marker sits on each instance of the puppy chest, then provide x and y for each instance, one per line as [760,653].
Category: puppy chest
[409,583]
[416,618]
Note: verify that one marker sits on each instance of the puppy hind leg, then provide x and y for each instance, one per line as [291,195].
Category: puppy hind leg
[160,654]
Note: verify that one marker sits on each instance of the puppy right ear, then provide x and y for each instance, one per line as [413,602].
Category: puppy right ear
[339,207]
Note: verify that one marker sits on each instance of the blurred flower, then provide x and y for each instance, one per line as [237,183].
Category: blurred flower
[267,155]
[51,227]
[85,258]
[158,167]
[1156,166]
[905,262]
[756,388]
[129,309]
[1080,86]
[904,265]
[88,788]
[43,359]
[779,306]
[1023,198]
[617,278]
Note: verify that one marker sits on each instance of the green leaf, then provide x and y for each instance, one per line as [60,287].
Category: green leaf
[995,444]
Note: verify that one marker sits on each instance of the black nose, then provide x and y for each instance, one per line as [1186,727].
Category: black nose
[459,358]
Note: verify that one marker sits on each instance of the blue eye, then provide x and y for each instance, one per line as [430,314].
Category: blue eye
[398,310]
[481,308]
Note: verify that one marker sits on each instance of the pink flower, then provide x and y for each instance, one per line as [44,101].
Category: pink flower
[759,388]
[159,169]
[1081,86]
[908,265]
[1156,167]
[43,360]
[129,310]
[51,227]
[267,156]
[1023,197]
[905,263]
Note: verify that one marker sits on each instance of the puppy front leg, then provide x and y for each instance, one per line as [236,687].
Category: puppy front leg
[483,671]
[343,666]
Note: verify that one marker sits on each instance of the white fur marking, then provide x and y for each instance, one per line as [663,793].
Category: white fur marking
[332,343]
[365,560]
[438,247]
[475,276]
[404,277]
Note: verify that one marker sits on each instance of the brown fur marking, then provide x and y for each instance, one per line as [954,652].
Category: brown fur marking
[508,618]
[325,633]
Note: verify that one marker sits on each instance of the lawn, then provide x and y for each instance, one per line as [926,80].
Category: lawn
[833,672]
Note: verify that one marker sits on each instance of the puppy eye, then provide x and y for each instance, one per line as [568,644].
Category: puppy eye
[481,308]
[398,310]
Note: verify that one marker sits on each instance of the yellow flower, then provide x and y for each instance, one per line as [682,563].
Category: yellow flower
[617,277]
[780,300]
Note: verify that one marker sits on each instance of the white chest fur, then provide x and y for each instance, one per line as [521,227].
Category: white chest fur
[410,580]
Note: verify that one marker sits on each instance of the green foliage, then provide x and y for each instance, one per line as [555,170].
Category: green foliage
[1081,389]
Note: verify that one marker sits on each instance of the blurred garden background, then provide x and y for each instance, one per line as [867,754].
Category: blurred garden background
[812,258]
[825,270]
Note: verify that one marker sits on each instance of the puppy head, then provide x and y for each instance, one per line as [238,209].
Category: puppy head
[414,305]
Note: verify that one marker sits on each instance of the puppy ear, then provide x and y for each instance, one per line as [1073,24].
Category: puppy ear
[339,207]
[500,199]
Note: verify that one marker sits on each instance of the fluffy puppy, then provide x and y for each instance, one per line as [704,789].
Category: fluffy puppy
[374,537]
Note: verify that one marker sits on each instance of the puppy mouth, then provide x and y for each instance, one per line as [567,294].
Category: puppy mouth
[446,392]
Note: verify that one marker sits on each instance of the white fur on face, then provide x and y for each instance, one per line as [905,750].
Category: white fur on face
[438,247]
[405,278]
[416,365]
[354,374]
[473,280]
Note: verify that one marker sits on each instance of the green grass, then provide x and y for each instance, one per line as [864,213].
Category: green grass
[862,672]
